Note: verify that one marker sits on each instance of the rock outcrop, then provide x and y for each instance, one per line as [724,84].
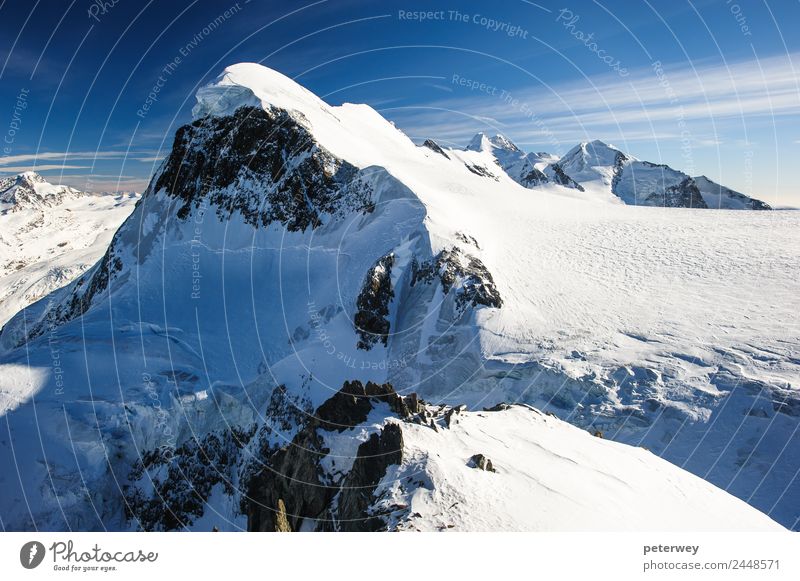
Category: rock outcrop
[371,319]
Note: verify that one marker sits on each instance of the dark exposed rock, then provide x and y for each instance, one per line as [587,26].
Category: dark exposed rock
[480,170]
[454,411]
[619,162]
[467,239]
[473,281]
[293,475]
[481,462]
[414,403]
[759,205]
[502,406]
[560,177]
[292,486]
[283,416]
[721,191]
[533,178]
[371,318]
[169,489]
[262,164]
[682,195]
[351,405]
[300,334]
[433,146]
[348,407]
[286,412]
[373,459]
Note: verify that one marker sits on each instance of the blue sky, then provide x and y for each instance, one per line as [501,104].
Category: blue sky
[710,87]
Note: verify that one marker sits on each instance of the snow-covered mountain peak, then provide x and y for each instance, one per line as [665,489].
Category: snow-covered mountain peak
[30,177]
[603,172]
[31,190]
[599,144]
[588,154]
[480,142]
[26,179]
[252,84]
[524,168]
[355,133]
[503,142]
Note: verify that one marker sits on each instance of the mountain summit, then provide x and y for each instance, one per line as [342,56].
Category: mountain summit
[311,323]
[31,190]
[524,168]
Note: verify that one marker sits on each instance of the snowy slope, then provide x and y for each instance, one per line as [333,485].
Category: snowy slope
[49,235]
[550,476]
[287,247]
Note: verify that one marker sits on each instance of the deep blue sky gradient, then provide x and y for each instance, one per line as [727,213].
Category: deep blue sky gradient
[86,81]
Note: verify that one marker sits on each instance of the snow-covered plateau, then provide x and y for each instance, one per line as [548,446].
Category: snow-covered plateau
[49,235]
[309,322]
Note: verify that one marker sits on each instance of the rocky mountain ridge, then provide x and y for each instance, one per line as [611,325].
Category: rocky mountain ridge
[605,170]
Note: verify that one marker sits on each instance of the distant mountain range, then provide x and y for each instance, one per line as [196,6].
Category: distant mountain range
[605,172]
[30,190]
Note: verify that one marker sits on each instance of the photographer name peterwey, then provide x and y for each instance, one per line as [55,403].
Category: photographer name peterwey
[647,549]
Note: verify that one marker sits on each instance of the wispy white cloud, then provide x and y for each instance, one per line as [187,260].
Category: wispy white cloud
[151,158]
[47,167]
[105,181]
[144,156]
[649,103]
